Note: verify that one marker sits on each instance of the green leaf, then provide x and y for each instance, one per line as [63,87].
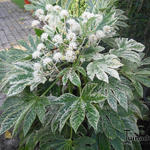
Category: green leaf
[143,80]
[104,64]
[103,142]
[40,111]
[10,110]
[138,88]
[28,121]
[117,144]
[88,90]
[89,96]
[69,102]
[109,131]
[74,78]
[128,49]
[93,69]
[92,115]
[10,101]
[32,43]
[137,145]
[131,124]
[96,98]
[25,45]
[65,79]
[16,89]
[146,61]
[84,143]
[65,98]
[116,121]
[135,109]
[112,101]
[20,118]
[10,121]
[121,98]
[81,70]
[65,114]
[77,115]
[38,32]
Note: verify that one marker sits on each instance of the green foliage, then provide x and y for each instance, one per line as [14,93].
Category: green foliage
[84,104]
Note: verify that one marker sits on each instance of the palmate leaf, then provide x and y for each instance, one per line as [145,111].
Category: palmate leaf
[14,118]
[22,110]
[90,52]
[84,143]
[76,108]
[28,121]
[7,59]
[117,144]
[116,121]
[70,74]
[99,68]
[21,77]
[109,131]
[89,96]
[138,76]
[92,115]
[128,49]
[77,115]
[103,142]
[116,92]
[15,75]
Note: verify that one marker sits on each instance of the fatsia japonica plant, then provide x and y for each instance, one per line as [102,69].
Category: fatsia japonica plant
[77,85]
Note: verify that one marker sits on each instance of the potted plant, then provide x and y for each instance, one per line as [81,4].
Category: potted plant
[78,85]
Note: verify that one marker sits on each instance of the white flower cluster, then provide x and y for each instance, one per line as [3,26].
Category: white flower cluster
[74,26]
[87,15]
[35,23]
[38,52]
[64,34]
[107,31]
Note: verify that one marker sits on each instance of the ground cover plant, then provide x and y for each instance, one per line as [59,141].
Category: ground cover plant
[78,85]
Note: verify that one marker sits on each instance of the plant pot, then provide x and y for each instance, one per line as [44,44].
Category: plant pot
[26,2]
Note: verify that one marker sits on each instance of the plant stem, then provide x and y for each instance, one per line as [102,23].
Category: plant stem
[49,88]
[71,133]
[80,91]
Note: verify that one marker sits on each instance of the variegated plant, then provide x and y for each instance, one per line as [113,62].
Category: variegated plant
[78,84]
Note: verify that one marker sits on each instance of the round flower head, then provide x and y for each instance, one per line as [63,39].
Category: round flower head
[58,39]
[92,39]
[72,45]
[87,15]
[44,36]
[48,17]
[41,46]
[70,56]
[42,18]
[99,18]
[35,23]
[71,36]
[39,12]
[46,61]
[36,54]
[64,14]
[37,66]
[107,29]
[57,57]
[37,76]
[49,7]
[74,26]
[57,8]
[100,34]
